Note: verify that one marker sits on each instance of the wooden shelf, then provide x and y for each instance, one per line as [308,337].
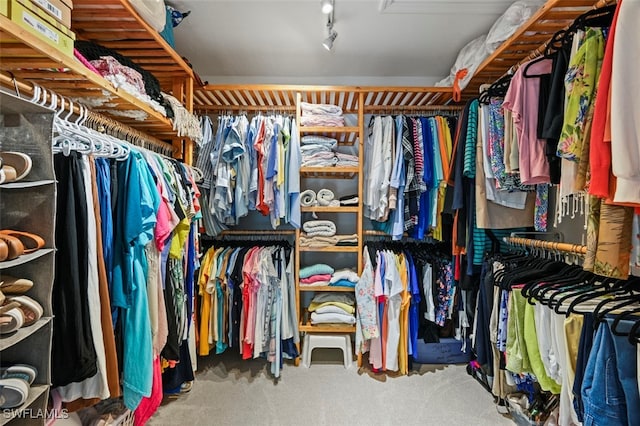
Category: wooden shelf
[326,288]
[8,340]
[66,76]
[117,25]
[35,391]
[332,249]
[25,258]
[327,328]
[327,209]
[330,172]
[553,16]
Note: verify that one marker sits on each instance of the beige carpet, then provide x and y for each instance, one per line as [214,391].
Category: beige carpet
[229,391]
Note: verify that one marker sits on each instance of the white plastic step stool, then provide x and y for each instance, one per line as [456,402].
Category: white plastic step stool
[337,341]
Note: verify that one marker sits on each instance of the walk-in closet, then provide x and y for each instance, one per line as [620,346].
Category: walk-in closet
[328,212]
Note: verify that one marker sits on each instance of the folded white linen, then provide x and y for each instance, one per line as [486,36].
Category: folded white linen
[344,274]
[321,109]
[324,228]
[332,317]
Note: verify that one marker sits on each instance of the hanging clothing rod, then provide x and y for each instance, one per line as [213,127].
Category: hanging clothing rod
[546,245]
[257,232]
[95,120]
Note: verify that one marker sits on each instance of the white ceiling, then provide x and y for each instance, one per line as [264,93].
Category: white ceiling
[380,42]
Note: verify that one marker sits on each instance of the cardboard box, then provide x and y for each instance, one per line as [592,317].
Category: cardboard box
[55,8]
[33,7]
[38,26]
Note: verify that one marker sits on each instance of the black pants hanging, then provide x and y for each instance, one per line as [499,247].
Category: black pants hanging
[73,353]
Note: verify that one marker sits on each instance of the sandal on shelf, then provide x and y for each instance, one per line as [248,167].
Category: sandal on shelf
[25,372]
[13,285]
[20,162]
[13,392]
[7,174]
[11,321]
[15,247]
[30,242]
[31,310]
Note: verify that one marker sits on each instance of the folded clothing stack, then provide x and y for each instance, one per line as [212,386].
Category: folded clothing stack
[321,115]
[344,278]
[349,200]
[322,241]
[332,308]
[322,228]
[316,269]
[329,159]
[315,280]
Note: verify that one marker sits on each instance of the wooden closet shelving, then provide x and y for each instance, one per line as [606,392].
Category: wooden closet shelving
[26,58]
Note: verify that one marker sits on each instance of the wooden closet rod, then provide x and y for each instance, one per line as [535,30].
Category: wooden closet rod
[546,245]
[95,120]
[245,108]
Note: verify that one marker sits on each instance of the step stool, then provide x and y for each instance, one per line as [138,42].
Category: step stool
[337,341]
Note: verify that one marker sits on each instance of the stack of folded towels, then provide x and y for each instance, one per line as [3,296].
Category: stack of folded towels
[319,151]
[321,115]
[322,233]
[333,308]
[316,275]
[344,278]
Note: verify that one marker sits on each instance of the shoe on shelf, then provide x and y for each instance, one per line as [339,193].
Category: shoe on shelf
[4,250]
[13,392]
[30,242]
[31,310]
[13,285]
[20,162]
[15,247]
[25,372]
[11,320]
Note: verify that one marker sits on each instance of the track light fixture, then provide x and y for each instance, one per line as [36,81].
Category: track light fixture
[331,33]
[327,6]
[328,42]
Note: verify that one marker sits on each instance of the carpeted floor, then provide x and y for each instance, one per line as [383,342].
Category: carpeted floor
[229,391]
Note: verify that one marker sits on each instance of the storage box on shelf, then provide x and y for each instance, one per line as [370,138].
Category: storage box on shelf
[29,205]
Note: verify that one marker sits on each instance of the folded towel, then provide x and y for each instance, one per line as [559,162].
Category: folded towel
[321,109]
[332,318]
[317,241]
[342,283]
[347,243]
[321,120]
[319,140]
[315,278]
[318,268]
[326,197]
[333,298]
[349,200]
[315,284]
[330,309]
[345,274]
[308,198]
[347,239]
[324,228]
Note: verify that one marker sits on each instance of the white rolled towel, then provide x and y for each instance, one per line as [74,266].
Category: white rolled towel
[326,197]
[308,198]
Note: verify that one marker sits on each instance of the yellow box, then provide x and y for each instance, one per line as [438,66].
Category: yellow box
[33,6]
[54,8]
[38,26]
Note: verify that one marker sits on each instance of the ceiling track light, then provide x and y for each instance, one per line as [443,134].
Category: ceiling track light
[327,43]
[327,6]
